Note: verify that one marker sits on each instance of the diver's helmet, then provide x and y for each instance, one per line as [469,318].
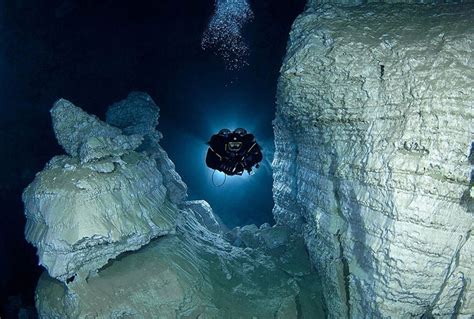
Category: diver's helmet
[240,131]
[224,132]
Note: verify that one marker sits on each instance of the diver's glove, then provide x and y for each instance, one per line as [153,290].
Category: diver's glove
[231,168]
[227,168]
[239,168]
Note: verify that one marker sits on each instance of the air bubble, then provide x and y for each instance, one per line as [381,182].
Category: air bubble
[224,32]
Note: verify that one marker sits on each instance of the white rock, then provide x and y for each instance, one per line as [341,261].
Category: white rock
[87,137]
[84,211]
[95,148]
[350,3]
[193,274]
[138,114]
[373,133]
[105,200]
[80,218]
[73,126]
[205,215]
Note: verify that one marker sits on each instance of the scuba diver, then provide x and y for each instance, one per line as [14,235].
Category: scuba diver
[233,152]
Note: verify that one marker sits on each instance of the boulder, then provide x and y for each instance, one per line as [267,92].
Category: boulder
[104,199]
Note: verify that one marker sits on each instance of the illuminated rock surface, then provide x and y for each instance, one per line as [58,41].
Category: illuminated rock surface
[373,135]
[82,213]
[92,222]
[193,274]
[138,115]
[349,3]
[85,136]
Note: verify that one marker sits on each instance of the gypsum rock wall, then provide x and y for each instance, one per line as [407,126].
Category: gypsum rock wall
[194,274]
[138,115]
[373,132]
[79,217]
[103,199]
[86,137]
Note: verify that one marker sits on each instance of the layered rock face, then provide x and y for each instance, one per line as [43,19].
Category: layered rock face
[118,238]
[118,196]
[193,274]
[138,115]
[116,210]
[373,139]
[350,3]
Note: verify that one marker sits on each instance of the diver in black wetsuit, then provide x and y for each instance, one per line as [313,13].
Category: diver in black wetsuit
[233,152]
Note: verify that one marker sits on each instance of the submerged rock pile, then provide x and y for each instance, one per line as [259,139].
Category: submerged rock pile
[118,238]
[373,140]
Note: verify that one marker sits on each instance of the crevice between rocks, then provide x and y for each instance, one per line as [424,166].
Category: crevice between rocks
[454,263]
[345,274]
[459,301]
[344,263]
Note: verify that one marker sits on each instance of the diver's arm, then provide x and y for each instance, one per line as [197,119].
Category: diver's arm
[257,153]
[252,157]
[213,160]
[216,145]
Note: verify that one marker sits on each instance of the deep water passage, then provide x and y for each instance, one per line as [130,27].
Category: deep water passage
[241,198]
[94,53]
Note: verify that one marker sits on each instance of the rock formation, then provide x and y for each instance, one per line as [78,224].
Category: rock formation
[193,274]
[373,135]
[117,195]
[86,137]
[118,238]
[138,115]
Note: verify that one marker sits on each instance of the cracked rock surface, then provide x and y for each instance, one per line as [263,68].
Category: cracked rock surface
[373,139]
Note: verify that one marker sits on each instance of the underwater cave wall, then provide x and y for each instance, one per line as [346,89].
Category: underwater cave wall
[373,136]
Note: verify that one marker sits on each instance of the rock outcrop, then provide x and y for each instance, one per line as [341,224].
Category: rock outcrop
[138,115]
[86,137]
[193,274]
[373,136]
[119,239]
[351,3]
[102,200]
